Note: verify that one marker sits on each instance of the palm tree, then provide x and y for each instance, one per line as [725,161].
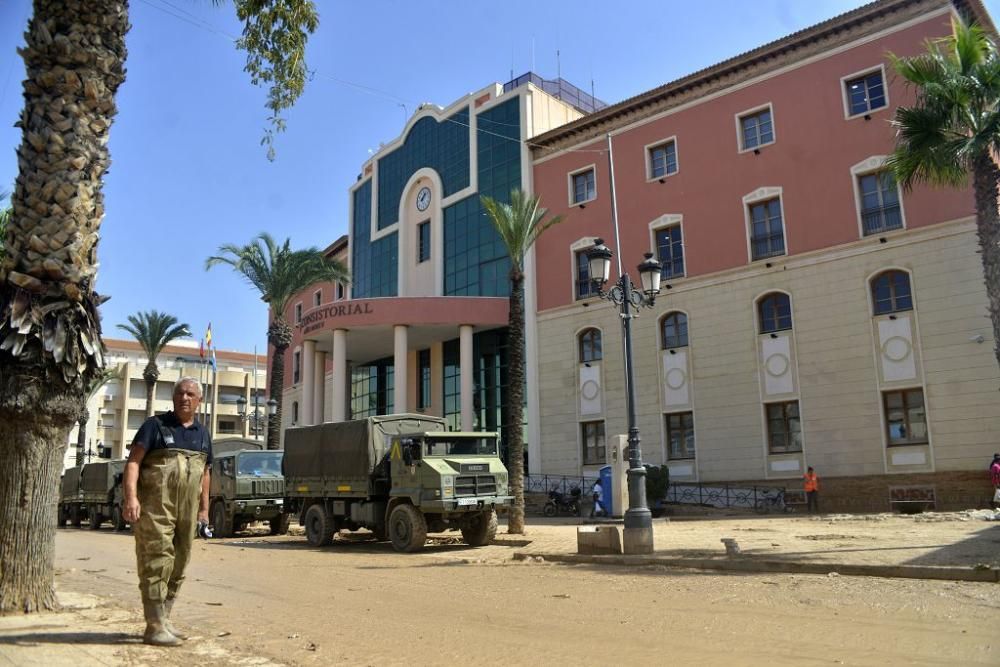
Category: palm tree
[50,334]
[278,273]
[153,331]
[4,220]
[102,379]
[519,225]
[953,131]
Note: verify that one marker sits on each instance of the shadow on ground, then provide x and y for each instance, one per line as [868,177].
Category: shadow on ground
[37,637]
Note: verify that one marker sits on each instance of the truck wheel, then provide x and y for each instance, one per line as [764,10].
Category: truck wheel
[61,517]
[407,528]
[94,519]
[220,520]
[319,526]
[117,518]
[481,529]
[549,510]
[279,524]
[74,515]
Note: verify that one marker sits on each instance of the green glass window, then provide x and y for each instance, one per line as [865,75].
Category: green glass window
[423,242]
[424,379]
[372,389]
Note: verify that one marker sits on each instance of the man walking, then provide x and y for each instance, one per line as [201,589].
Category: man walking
[812,490]
[166,484]
[995,479]
[597,494]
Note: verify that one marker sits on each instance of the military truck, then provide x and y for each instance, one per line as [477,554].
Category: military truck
[93,491]
[399,476]
[247,486]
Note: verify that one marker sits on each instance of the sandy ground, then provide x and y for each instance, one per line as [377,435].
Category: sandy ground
[261,600]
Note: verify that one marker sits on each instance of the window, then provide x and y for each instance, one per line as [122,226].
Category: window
[663,160]
[767,236]
[864,93]
[583,188]
[340,291]
[590,346]
[592,435]
[423,379]
[674,330]
[670,251]
[584,287]
[879,203]
[784,430]
[775,311]
[298,313]
[905,417]
[891,292]
[317,297]
[756,129]
[227,426]
[424,241]
[295,412]
[680,436]
[296,367]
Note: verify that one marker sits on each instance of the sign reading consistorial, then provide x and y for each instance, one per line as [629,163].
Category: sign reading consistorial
[315,319]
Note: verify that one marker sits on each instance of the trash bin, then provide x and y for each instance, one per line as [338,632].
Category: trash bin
[607,500]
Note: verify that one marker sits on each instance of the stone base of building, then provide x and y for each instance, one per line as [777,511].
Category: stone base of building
[940,491]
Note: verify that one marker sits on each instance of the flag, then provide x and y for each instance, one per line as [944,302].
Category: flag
[201,349]
[215,367]
[208,336]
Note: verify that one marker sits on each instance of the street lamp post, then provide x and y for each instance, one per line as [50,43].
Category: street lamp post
[255,417]
[638,534]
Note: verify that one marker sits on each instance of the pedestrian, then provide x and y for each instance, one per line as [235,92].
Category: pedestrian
[811,487]
[995,480]
[597,492]
[166,485]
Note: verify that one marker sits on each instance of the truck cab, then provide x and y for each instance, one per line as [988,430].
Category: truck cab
[247,485]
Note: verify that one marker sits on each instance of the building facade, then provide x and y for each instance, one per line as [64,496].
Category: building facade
[812,312]
[422,327]
[118,408]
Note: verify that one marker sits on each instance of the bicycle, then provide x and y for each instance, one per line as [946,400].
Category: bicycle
[771,502]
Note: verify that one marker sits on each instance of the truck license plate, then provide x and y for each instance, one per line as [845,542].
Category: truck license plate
[467,501]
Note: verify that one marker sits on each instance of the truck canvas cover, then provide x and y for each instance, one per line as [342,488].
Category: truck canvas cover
[344,449]
[99,478]
[70,483]
[220,447]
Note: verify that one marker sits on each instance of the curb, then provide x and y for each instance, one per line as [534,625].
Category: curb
[991,575]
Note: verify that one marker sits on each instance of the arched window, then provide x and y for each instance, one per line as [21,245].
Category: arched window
[590,345]
[775,312]
[891,292]
[674,330]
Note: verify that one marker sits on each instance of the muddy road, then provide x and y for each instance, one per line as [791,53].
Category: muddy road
[360,603]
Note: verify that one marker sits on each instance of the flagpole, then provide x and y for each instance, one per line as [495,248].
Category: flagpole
[256,414]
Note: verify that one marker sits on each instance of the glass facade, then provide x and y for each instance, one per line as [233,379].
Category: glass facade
[476,262]
[443,146]
[374,266]
[372,388]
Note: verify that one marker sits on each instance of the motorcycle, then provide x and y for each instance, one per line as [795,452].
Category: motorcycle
[559,503]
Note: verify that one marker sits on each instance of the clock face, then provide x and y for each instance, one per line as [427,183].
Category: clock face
[423,199]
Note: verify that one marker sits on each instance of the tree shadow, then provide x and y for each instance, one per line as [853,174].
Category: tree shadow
[39,636]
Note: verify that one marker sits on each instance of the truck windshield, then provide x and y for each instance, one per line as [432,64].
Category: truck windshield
[260,464]
[461,446]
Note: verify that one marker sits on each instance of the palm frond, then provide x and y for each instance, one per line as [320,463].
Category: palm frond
[154,330]
[518,223]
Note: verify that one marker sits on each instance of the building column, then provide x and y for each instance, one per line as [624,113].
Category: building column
[245,423]
[308,382]
[399,359]
[319,393]
[467,385]
[340,379]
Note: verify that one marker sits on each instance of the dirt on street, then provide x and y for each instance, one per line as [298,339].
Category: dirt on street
[275,600]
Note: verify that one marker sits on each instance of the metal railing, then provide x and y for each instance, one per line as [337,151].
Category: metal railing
[559,88]
[560,483]
[726,496]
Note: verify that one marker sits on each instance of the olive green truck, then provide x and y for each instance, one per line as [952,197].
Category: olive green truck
[246,486]
[400,476]
[92,492]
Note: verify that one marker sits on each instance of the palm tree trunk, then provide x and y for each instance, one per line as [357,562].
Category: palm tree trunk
[150,393]
[515,401]
[81,436]
[985,178]
[279,335]
[49,327]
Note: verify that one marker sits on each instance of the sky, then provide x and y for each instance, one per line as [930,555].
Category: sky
[188,172]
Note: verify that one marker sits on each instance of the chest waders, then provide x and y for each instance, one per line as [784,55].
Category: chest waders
[169,492]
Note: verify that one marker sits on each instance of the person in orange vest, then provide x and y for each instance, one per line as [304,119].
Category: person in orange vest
[812,490]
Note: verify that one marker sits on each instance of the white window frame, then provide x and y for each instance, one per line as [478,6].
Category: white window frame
[569,185]
[648,152]
[318,298]
[738,118]
[341,292]
[583,243]
[871,165]
[857,75]
[297,312]
[755,197]
[662,222]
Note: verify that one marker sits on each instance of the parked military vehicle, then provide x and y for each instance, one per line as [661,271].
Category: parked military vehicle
[399,476]
[94,492]
[247,486]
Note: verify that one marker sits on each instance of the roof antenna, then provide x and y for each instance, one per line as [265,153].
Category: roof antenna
[532,53]
[558,65]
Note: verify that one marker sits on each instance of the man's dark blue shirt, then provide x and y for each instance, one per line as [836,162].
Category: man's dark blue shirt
[193,437]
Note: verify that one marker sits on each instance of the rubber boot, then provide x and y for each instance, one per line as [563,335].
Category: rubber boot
[156,634]
[168,608]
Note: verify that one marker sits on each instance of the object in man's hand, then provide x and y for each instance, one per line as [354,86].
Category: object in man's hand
[204,530]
